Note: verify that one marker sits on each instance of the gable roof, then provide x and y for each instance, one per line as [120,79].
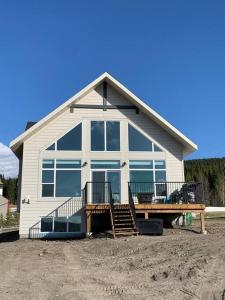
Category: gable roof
[189,146]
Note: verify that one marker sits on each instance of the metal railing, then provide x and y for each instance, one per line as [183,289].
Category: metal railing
[166,192]
[67,209]
[99,193]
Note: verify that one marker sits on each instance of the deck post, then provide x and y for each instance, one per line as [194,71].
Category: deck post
[88,223]
[202,219]
[146,215]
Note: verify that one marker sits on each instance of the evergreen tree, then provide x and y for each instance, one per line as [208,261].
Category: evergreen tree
[211,173]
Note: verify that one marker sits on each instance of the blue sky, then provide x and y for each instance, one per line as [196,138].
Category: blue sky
[170,53]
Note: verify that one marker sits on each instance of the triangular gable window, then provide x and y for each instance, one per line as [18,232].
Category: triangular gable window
[138,142]
[71,141]
[52,147]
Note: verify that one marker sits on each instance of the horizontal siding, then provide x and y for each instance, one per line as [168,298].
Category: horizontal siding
[34,146]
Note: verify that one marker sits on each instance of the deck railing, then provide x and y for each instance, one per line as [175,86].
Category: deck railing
[99,193]
[166,192]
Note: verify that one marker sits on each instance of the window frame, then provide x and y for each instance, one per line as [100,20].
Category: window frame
[67,225]
[54,182]
[106,170]
[105,136]
[59,137]
[153,169]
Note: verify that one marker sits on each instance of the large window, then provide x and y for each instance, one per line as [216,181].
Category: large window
[71,141]
[148,176]
[61,224]
[138,142]
[61,178]
[105,136]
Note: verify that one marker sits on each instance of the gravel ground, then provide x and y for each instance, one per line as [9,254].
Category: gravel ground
[181,264]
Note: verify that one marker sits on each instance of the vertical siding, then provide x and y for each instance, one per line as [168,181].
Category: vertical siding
[33,151]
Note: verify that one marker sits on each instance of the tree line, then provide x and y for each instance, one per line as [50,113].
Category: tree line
[211,172]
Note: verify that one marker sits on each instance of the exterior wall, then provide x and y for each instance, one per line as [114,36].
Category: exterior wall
[33,152]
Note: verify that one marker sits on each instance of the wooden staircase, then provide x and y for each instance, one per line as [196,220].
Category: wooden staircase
[122,219]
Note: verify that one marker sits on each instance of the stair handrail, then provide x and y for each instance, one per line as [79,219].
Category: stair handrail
[69,204]
[132,205]
[111,208]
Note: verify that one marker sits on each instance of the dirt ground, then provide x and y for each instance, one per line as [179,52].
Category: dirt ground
[181,264]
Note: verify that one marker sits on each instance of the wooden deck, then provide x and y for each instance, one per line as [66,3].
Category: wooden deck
[147,209]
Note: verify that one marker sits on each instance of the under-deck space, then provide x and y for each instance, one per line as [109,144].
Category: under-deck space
[147,210]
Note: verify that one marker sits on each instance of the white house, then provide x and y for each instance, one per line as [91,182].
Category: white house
[88,149]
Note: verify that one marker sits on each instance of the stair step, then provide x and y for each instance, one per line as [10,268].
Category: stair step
[124,226]
[121,212]
[123,221]
[124,229]
[127,233]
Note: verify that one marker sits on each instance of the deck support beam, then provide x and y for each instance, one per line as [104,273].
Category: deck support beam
[88,223]
[202,220]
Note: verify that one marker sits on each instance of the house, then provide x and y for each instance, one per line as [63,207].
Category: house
[4,202]
[103,151]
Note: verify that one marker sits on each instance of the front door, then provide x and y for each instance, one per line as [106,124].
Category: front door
[101,184]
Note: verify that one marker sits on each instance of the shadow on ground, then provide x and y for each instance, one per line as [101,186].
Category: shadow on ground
[9,237]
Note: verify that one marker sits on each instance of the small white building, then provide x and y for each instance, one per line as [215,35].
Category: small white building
[103,134]
[4,202]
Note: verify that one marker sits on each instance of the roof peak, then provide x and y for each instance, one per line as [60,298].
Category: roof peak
[189,146]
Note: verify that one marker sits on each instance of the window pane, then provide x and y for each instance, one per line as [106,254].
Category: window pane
[141,182]
[74,224]
[160,164]
[141,164]
[97,136]
[48,164]
[105,164]
[52,147]
[60,224]
[68,183]
[157,149]
[47,190]
[68,164]
[46,224]
[160,176]
[114,178]
[141,176]
[113,136]
[161,190]
[48,176]
[72,140]
[137,141]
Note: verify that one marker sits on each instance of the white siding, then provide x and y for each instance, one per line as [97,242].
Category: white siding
[33,151]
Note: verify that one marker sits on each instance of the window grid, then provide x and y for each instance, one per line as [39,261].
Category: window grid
[54,169]
[105,136]
[67,224]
